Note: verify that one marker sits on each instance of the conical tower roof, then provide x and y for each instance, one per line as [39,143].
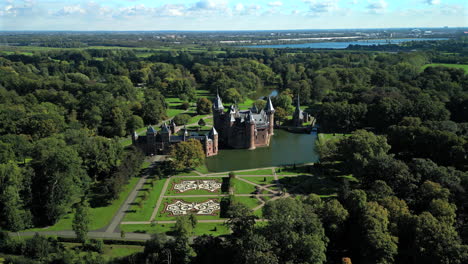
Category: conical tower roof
[217,103]
[269,106]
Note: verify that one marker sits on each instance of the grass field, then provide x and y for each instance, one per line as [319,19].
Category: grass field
[214,229]
[255,172]
[241,187]
[260,180]
[458,66]
[250,202]
[162,215]
[173,112]
[111,251]
[100,216]
[136,213]
[174,181]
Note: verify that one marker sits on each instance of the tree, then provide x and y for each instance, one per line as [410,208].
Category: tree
[6,153]
[14,215]
[181,119]
[58,179]
[203,106]
[81,220]
[233,96]
[188,154]
[280,115]
[436,242]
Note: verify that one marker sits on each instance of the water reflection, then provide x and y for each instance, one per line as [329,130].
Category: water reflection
[285,148]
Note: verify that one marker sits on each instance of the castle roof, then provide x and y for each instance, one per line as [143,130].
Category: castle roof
[254,109]
[269,105]
[298,113]
[150,130]
[217,103]
[213,132]
[164,128]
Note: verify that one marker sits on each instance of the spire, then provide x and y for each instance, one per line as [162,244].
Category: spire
[254,109]
[150,130]
[164,128]
[213,132]
[269,106]
[217,103]
[298,105]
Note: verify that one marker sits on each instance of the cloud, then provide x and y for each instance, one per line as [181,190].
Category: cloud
[326,6]
[432,2]
[70,10]
[275,4]
[209,5]
[377,6]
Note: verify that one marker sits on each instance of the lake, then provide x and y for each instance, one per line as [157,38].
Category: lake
[345,44]
[285,148]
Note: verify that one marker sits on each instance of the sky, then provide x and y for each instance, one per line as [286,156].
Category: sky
[123,15]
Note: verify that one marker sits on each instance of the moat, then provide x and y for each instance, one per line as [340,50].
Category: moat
[285,148]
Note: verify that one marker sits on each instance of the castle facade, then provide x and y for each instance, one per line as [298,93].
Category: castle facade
[159,142]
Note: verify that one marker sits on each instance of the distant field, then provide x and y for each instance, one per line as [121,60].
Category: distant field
[458,66]
[214,229]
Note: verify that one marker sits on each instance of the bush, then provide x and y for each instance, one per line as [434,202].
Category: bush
[185,105]
[96,245]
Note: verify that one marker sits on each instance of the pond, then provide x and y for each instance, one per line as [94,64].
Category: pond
[285,148]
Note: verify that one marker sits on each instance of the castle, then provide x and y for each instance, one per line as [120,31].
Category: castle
[234,128]
[159,142]
[243,129]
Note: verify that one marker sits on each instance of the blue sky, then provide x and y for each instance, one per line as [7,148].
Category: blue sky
[229,15]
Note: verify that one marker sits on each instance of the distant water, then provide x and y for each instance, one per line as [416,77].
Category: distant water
[285,149]
[344,45]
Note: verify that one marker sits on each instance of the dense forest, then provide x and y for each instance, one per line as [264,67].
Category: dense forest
[405,143]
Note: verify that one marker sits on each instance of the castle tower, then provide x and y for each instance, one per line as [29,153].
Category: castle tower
[270,111]
[134,137]
[173,126]
[165,133]
[185,134]
[214,136]
[251,134]
[151,140]
[298,116]
[218,110]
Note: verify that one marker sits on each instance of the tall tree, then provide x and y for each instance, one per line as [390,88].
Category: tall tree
[81,220]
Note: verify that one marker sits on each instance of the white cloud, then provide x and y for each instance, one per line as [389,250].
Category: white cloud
[70,10]
[171,10]
[275,4]
[210,5]
[239,7]
[325,6]
[432,2]
[377,6]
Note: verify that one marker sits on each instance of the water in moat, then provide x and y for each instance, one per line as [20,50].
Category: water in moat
[285,149]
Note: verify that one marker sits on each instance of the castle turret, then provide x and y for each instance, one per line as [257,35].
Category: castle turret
[134,137]
[185,133]
[251,129]
[298,116]
[173,126]
[270,111]
[213,135]
[218,113]
[151,140]
[165,133]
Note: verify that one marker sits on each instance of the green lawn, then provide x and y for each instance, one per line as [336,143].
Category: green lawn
[260,180]
[200,229]
[111,251]
[171,191]
[162,215]
[255,172]
[202,169]
[292,171]
[241,187]
[250,202]
[100,216]
[136,213]
[186,173]
[173,112]
[458,66]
